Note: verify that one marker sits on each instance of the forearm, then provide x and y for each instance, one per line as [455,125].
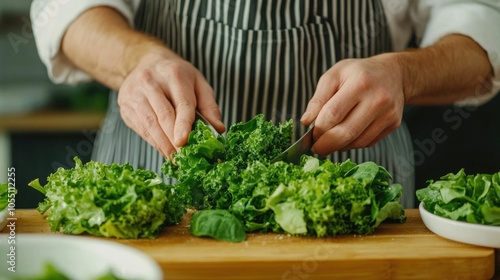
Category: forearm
[449,71]
[101,43]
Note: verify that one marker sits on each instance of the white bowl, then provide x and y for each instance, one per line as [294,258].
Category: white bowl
[3,217]
[475,234]
[79,257]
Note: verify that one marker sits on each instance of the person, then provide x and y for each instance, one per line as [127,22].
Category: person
[347,65]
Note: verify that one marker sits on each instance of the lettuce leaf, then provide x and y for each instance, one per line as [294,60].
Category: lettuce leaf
[462,197]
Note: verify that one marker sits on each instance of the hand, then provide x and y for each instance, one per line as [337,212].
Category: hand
[357,102]
[158,99]
[158,90]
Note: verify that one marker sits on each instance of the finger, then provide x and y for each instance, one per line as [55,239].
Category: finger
[150,128]
[165,114]
[154,95]
[343,134]
[143,121]
[131,100]
[382,135]
[207,105]
[335,111]
[372,135]
[327,86]
[181,92]
[135,125]
[393,121]
[386,122]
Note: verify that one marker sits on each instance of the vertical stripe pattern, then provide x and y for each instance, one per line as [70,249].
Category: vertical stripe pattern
[263,56]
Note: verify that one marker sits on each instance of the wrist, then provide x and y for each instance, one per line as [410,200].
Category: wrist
[398,64]
[143,49]
[402,64]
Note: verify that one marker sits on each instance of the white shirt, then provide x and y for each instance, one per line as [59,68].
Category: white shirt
[430,19]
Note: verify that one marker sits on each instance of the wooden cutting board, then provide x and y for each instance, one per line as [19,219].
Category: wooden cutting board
[394,251]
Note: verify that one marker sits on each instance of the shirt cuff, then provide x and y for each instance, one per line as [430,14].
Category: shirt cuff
[50,20]
[477,21]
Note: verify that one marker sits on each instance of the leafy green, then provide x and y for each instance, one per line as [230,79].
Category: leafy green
[201,153]
[334,199]
[51,272]
[108,200]
[108,276]
[316,197]
[245,143]
[4,191]
[257,140]
[462,197]
[219,224]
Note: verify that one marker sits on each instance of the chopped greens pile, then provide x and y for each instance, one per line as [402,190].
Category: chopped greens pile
[462,197]
[108,200]
[232,183]
[254,141]
[317,197]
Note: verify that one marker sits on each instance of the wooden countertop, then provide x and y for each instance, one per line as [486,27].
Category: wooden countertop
[51,121]
[394,251]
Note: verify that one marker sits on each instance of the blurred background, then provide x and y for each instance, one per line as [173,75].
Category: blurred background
[43,126]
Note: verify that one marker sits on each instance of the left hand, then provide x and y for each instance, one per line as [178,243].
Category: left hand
[357,103]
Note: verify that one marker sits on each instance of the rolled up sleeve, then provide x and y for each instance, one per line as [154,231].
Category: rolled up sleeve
[478,20]
[50,20]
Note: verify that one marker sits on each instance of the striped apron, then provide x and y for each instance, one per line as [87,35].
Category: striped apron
[263,56]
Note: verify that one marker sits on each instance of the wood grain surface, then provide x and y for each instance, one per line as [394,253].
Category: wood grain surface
[51,121]
[394,251]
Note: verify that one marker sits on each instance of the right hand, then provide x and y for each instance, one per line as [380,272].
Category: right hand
[159,97]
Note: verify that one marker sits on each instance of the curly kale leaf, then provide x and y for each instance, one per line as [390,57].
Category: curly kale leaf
[200,168]
[257,140]
[190,166]
[108,200]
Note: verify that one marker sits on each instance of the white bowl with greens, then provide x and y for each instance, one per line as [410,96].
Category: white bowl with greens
[56,256]
[3,218]
[464,208]
[464,232]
